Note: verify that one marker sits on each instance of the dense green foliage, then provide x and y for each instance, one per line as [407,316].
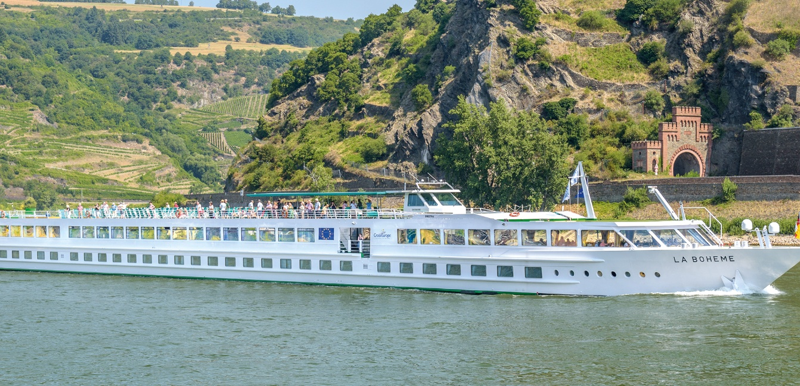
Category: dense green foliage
[527,12]
[503,157]
[592,20]
[651,52]
[421,97]
[526,49]
[304,31]
[779,48]
[652,12]
[654,101]
[558,110]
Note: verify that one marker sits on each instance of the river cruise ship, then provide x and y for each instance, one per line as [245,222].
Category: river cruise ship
[434,243]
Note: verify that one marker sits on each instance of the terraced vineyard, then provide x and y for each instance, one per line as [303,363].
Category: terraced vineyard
[218,141]
[201,118]
[244,107]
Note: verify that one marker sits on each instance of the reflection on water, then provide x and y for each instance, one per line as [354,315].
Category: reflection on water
[82,329]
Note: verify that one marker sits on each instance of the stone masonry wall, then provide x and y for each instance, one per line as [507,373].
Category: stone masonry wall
[751,188]
[771,152]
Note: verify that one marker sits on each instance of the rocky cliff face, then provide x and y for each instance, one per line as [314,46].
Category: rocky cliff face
[478,42]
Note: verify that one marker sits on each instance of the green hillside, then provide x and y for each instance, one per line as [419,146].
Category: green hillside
[101,101]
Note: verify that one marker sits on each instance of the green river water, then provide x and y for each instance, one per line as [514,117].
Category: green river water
[61,329]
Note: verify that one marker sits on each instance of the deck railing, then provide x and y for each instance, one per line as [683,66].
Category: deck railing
[204,213]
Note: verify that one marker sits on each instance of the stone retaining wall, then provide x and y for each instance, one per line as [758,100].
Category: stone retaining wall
[751,188]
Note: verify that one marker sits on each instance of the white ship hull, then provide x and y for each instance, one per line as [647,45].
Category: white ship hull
[534,269]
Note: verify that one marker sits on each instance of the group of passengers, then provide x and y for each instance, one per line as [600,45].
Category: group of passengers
[99,211]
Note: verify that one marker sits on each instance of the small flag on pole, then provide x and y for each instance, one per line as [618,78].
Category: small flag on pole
[572,181]
[797,228]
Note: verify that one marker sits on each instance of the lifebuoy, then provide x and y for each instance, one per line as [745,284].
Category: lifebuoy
[514,214]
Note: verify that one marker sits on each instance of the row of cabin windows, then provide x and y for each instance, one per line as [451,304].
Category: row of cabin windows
[302,235]
[211,261]
[39,231]
[455,270]
[557,237]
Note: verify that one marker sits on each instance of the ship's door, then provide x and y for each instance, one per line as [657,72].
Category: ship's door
[355,240]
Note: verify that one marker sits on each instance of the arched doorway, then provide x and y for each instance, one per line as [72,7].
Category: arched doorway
[685,163]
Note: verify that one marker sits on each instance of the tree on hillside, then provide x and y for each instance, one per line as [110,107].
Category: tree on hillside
[290,10]
[191,3]
[503,157]
[265,7]
[278,10]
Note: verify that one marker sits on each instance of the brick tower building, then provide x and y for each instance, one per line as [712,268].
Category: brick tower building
[684,145]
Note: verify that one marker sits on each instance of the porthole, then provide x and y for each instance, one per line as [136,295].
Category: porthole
[641,274]
[586,273]
[627,274]
[571,272]
[599,273]
[613,274]
[556,272]
[658,274]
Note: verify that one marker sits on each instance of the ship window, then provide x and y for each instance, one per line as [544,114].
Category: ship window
[15,231]
[73,256]
[132,233]
[249,234]
[478,270]
[195,260]
[669,237]
[534,237]
[406,267]
[88,232]
[641,238]
[428,268]
[479,237]
[117,232]
[564,238]
[15,255]
[454,269]
[148,233]
[177,259]
[406,236]
[627,274]
[305,235]
[116,257]
[325,265]
[693,236]
[384,267]
[3,230]
[454,236]
[28,255]
[247,262]
[213,234]
[286,263]
[164,233]
[414,200]
[53,255]
[599,273]
[103,233]
[101,257]
[147,259]
[536,272]
[179,233]
[231,234]
[28,231]
[162,259]
[600,238]
[305,264]
[266,234]
[132,258]
[212,261]
[74,232]
[613,274]
[586,273]
[266,263]
[429,199]
[505,237]
[41,231]
[87,256]
[3,254]
[430,236]
[195,233]
[505,271]
[345,266]
[230,261]
[658,274]
[571,272]
[447,199]
[54,232]
[39,255]
[286,235]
